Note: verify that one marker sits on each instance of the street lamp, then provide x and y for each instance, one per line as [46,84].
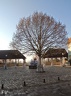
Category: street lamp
[63,59]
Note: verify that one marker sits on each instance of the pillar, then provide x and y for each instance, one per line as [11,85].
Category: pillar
[51,61]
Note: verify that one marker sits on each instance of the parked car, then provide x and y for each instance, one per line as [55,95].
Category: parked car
[33,64]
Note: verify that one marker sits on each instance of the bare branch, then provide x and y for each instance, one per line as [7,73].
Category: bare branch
[38,33]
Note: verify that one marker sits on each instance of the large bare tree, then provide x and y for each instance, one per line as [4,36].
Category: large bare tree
[38,33]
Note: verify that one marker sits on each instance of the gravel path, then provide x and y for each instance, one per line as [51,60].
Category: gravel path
[22,81]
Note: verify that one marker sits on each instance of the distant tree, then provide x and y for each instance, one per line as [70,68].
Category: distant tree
[38,33]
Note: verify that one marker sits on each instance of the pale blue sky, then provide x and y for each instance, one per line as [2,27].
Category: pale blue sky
[12,10]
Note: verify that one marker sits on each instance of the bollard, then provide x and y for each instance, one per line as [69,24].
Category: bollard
[2,86]
[58,78]
[43,80]
[24,83]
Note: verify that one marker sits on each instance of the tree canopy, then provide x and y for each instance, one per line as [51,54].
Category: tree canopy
[38,33]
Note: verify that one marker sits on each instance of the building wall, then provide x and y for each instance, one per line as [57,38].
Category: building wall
[69,48]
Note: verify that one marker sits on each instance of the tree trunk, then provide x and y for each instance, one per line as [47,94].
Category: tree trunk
[40,66]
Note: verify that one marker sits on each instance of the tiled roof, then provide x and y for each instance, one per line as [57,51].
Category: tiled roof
[56,53]
[11,54]
[69,40]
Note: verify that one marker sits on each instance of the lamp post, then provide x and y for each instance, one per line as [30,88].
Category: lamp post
[63,59]
[6,61]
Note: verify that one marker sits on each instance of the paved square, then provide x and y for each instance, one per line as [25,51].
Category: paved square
[22,81]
